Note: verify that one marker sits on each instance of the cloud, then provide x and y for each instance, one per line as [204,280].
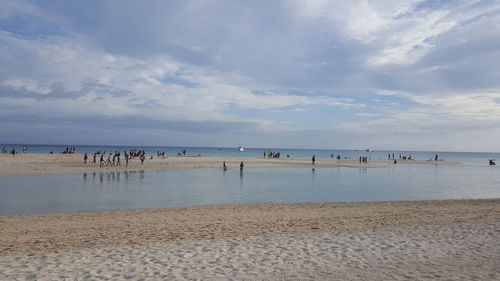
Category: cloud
[431,115]
[284,66]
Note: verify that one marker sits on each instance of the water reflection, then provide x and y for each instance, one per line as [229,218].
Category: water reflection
[313,177]
[150,189]
[114,176]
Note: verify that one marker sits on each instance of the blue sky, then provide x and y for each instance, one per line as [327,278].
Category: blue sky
[410,75]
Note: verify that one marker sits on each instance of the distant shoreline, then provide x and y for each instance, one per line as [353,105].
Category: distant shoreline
[25,164]
[398,150]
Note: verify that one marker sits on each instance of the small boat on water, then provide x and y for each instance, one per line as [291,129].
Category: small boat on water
[240,148]
[369,150]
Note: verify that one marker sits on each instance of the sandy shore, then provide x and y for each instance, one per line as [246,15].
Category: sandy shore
[419,240]
[42,164]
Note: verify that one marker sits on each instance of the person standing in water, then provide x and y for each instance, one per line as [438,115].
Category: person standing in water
[314,160]
[241,166]
[224,166]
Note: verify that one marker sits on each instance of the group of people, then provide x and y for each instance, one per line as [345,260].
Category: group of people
[363,159]
[160,153]
[404,157]
[69,150]
[12,151]
[115,159]
[271,154]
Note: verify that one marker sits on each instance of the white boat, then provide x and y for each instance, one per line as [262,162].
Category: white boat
[240,148]
[369,149]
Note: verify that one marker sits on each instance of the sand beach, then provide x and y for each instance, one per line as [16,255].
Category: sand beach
[43,164]
[397,240]
[409,240]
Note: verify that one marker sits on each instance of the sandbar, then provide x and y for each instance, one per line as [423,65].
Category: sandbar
[44,164]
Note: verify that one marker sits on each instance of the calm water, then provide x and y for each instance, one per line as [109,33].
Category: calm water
[152,189]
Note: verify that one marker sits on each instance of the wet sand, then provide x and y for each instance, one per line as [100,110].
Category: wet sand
[43,164]
[422,240]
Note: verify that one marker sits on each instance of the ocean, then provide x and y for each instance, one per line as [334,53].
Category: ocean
[476,158]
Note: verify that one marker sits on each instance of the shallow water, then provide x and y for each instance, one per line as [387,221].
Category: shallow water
[173,188]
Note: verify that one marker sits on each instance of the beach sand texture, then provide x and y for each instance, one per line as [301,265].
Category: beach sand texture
[41,164]
[416,240]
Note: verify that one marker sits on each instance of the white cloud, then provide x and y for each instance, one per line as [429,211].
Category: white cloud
[97,76]
[433,64]
[431,114]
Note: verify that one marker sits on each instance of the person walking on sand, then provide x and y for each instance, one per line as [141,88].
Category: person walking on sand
[94,158]
[101,161]
[108,162]
[314,160]
[142,158]
[127,157]
[224,166]
[85,157]
[241,166]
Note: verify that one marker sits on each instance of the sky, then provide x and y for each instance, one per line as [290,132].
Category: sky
[386,74]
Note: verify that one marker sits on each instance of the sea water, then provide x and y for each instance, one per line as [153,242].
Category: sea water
[175,188]
[477,158]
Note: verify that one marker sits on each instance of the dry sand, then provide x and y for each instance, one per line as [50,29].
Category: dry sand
[418,240]
[41,164]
